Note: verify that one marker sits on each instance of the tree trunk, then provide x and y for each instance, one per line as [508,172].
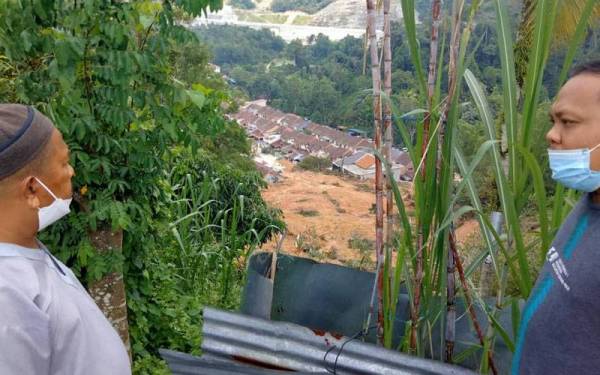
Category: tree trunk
[524,41]
[109,291]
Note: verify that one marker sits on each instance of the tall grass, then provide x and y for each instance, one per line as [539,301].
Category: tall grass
[425,237]
[213,234]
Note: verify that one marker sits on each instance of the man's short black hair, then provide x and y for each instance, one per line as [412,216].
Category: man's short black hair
[592,67]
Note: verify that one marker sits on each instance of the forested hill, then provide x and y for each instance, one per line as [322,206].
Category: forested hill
[326,82]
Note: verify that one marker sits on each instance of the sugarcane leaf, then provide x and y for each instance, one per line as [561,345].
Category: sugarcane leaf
[504,191]
[578,38]
[540,198]
[509,82]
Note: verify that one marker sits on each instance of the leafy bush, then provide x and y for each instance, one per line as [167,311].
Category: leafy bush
[364,245]
[311,243]
[131,91]
[213,219]
[315,164]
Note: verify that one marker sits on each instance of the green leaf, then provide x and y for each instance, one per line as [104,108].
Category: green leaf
[498,327]
[470,351]
[26,39]
[146,21]
[197,98]
[540,197]
[504,191]
[545,16]
[408,12]
[509,83]
[515,316]
[578,38]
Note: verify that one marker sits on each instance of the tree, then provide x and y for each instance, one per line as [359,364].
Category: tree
[568,15]
[98,70]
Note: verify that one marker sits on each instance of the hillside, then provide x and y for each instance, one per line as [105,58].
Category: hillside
[330,217]
[323,214]
[349,14]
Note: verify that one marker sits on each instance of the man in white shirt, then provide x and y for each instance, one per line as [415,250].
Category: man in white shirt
[48,322]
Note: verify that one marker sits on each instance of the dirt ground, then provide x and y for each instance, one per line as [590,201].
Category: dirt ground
[325,208]
[324,212]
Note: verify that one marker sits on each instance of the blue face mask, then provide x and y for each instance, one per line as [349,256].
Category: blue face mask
[572,169]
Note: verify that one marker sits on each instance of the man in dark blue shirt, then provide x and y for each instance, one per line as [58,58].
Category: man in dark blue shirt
[560,325]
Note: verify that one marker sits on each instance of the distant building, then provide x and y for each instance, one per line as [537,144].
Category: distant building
[293,137]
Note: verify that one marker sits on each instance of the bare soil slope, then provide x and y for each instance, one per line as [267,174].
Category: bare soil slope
[325,208]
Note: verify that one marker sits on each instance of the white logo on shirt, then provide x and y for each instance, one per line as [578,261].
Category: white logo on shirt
[558,266]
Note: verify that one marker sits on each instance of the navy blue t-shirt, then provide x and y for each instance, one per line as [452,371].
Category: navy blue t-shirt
[560,324]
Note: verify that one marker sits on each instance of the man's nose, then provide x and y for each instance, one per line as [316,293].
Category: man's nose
[553,137]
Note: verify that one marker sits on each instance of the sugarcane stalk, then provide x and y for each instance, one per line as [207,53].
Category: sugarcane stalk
[436,20]
[469,301]
[376,76]
[436,7]
[388,135]
[387,118]
[450,307]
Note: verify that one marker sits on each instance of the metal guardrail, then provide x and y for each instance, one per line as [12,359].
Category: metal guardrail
[231,336]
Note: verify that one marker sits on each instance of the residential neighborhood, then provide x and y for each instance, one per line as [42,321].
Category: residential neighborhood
[291,137]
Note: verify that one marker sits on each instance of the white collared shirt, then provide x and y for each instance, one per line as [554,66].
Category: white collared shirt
[49,324]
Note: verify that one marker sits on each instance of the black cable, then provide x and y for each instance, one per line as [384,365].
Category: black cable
[360,334]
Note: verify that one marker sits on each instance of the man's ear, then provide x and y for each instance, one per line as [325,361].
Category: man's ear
[29,190]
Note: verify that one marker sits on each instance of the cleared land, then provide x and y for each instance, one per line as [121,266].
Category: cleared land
[331,218]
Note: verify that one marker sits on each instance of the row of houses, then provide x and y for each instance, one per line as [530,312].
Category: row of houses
[295,137]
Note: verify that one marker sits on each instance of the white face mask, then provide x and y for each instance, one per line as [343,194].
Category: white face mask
[54,212]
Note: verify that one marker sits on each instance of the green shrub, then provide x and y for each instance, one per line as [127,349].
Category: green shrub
[310,242]
[315,164]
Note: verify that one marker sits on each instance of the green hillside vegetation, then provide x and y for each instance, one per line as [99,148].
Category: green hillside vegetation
[155,159]
[308,6]
[335,70]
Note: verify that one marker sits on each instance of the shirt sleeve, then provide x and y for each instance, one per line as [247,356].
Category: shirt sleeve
[24,334]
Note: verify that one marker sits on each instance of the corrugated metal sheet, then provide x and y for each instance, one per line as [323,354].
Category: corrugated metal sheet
[230,336]
[186,364]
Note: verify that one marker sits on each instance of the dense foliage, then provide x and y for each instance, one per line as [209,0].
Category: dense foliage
[291,75]
[308,6]
[142,112]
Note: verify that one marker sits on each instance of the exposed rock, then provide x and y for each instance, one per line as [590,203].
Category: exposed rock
[351,14]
